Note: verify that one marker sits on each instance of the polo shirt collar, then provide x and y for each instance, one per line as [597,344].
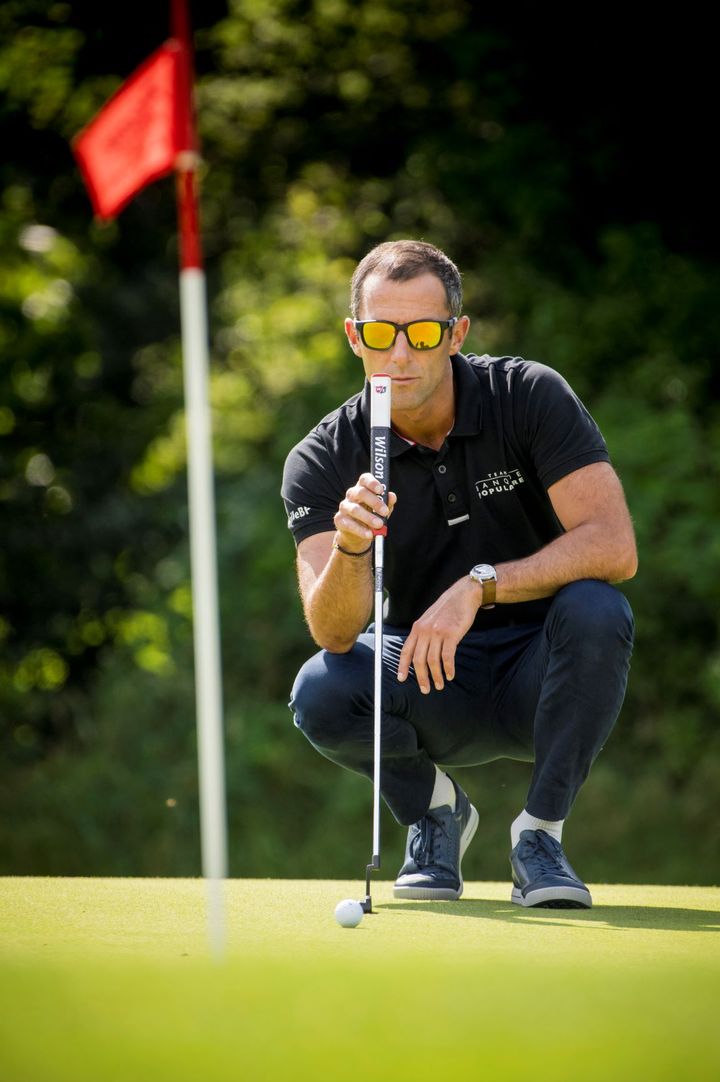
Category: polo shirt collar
[468,406]
[468,400]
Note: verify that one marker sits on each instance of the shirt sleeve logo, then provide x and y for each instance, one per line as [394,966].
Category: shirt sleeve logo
[296,515]
[499,481]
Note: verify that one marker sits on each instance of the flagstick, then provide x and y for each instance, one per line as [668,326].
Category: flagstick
[206,623]
[208,693]
[152,118]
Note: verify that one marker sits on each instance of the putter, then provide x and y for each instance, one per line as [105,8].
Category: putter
[380,393]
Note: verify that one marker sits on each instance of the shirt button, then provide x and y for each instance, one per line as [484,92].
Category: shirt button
[442,469]
[452,497]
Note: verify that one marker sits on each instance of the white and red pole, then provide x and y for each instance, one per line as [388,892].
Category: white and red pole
[203,547]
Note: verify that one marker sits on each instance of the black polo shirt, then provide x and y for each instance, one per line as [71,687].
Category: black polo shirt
[482,498]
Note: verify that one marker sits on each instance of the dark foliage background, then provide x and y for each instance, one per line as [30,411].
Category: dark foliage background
[566,164]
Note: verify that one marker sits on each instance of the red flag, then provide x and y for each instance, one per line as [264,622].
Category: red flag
[137,135]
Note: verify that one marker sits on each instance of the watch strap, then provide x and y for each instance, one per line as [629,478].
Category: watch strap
[486,576]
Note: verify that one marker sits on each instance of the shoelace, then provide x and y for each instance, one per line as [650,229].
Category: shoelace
[426,844]
[544,855]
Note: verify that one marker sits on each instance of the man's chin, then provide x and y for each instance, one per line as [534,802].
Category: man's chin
[409,392]
[413,394]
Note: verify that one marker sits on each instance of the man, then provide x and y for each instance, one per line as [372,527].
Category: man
[504,637]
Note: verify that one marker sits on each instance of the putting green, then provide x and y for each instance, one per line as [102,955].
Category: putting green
[111,980]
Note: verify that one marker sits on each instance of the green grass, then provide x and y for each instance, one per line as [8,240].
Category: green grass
[110,979]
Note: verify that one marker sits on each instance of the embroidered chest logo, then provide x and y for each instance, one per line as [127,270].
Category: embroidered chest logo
[499,481]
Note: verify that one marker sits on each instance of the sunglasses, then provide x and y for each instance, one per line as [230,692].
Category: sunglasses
[420,333]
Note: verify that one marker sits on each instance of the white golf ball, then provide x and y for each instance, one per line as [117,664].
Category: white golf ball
[348,913]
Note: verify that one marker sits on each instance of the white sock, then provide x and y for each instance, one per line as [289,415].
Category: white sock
[444,791]
[526,821]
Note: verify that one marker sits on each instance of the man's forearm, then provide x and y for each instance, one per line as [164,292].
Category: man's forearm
[585,552]
[338,605]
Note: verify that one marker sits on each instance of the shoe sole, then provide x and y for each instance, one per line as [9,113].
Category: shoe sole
[444,894]
[553,898]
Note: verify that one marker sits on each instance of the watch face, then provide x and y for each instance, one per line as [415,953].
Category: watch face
[483,571]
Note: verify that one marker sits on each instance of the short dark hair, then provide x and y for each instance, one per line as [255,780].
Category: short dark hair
[401,260]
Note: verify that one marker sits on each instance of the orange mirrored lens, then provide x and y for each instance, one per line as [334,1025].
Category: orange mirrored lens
[425,335]
[378,335]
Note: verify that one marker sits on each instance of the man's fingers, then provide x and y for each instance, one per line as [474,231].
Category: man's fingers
[419,662]
[441,658]
[349,524]
[414,653]
[448,658]
[432,656]
[365,501]
[364,511]
[366,480]
[363,506]
[360,514]
[433,660]
[406,657]
[371,492]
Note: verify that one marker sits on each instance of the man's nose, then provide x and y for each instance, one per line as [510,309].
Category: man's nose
[401,349]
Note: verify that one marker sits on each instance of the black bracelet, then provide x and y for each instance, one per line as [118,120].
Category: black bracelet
[346,552]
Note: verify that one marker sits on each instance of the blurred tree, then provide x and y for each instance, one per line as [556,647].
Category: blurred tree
[561,174]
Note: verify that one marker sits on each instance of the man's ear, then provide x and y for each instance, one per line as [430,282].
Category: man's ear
[459,334]
[352,336]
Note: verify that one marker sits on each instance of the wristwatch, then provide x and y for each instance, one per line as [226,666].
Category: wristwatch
[486,575]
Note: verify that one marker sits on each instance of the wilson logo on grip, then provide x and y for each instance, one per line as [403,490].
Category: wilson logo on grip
[379,458]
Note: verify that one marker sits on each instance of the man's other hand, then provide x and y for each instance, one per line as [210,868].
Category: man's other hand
[430,646]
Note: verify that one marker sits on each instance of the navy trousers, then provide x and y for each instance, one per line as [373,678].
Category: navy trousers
[546,693]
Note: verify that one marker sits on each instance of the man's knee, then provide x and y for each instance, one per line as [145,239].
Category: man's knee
[594,611]
[326,692]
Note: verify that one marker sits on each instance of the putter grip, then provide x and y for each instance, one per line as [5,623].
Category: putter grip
[380,395]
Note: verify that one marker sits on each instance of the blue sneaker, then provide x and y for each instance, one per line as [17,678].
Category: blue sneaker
[542,875]
[435,848]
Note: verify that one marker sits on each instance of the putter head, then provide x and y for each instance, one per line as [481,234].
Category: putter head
[367,904]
